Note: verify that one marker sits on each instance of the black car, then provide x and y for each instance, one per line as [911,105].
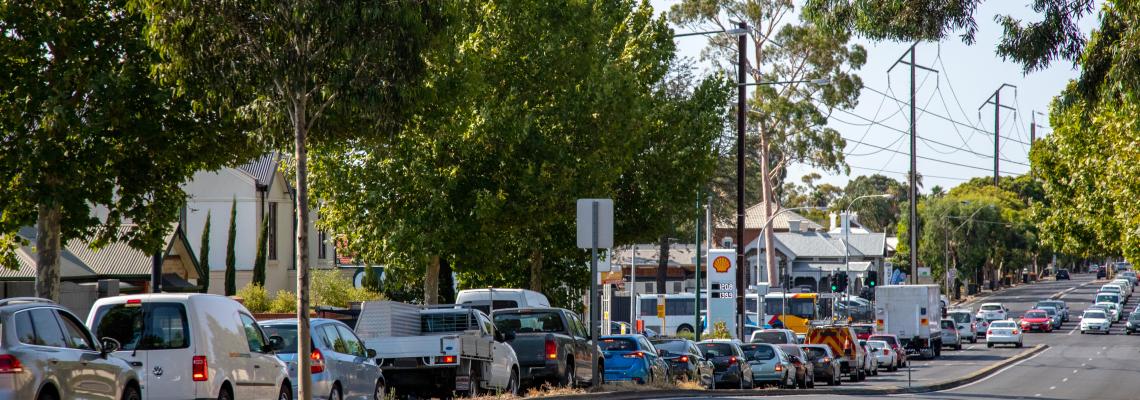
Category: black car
[805,372]
[826,367]
[1102,272]
[1133,324]
[1062,275]
[685,361]
[731,368]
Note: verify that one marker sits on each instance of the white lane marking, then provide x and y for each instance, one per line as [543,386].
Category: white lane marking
[1064,380]
[1072,330]
[1037,395]
[1052,387]
[1074,371]
[1090,358]
[1083,364]
[995,373]
[1104,348]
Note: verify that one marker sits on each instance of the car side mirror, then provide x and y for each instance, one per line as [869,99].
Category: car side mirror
[110,345]
[371,353]
[276,343]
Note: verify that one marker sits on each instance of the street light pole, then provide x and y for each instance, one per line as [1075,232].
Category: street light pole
[741,115]
[763,228]
[847,234]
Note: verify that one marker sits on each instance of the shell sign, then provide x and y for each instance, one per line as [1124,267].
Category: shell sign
[722,264]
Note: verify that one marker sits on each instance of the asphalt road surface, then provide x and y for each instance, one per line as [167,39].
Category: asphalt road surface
[1075,366]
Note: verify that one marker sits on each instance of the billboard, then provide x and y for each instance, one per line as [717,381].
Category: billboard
[721,278]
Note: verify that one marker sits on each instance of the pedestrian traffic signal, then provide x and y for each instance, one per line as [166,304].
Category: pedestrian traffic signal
[872,278]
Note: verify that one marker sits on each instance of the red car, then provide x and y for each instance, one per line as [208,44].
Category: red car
[893,341]
[863,331]
[1036,320]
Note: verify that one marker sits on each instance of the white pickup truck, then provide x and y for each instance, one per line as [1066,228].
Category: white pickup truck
[438,352]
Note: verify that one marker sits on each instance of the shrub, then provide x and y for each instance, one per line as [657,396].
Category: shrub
[720,331]
[330,288]
[686,335]
[255,297]
[283,302]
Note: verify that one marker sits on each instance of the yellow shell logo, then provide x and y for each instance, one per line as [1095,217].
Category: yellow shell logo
[722,264]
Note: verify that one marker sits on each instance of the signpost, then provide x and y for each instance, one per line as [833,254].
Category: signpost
[722,296]
[595,230]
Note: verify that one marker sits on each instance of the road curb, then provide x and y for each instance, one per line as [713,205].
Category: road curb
[935,387]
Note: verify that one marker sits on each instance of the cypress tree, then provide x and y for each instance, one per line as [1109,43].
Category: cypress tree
[204,257]
[231,258]
[259,263]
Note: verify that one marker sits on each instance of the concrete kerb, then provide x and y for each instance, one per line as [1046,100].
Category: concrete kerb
[880,390]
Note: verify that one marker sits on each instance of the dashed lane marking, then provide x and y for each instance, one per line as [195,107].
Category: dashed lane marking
[1052,387]
[1064,380]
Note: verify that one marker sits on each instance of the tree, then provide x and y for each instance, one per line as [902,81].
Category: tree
[1034,44]
[531,105]
[204,256]
[262,244]
[789,119]
[875,214]
[322,71]
[231,257]
[90,139]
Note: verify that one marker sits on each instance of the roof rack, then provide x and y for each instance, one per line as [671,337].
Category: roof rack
[12,300]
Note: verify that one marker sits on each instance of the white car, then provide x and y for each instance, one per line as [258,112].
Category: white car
[885,357]
[1124,284]
[1109,297]
[1095,321]
[193,346]
[1004,332]
[1111,288]
[967,324]
[1115,313]
[992,311]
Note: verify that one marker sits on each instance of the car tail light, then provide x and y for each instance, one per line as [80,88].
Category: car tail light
[551,349]
[732,360]
[200,369]
[684,359]
[779,367]
[827,360]
[318,362]
[445,360]
[886,352]
[9,364]
[1015,331]
[636,354]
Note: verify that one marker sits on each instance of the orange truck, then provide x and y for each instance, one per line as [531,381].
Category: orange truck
[845,345]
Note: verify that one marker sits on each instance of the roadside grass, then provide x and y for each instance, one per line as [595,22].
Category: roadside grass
[548,390]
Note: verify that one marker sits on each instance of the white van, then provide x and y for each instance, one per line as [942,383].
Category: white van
[192,346]
[481,299]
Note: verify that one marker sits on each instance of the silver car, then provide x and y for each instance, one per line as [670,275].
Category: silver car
[950,337]
[46,353]
[342,368]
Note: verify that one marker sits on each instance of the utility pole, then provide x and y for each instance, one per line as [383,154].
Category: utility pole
[1033,139]
[741,114]
[913,175]
[995,99]
[697,273]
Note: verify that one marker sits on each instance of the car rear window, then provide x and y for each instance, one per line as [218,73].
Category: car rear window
[888,339]
[145,326]
[991,307]
[529,322]
[758,352]
[288,332]
[770,337]
[711,350]
[1003,324]
[1095,314]
[948,324]
[815,353]
[862,329]
[672,346]
[618,344]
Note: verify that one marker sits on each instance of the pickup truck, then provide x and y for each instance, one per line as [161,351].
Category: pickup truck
[552,344]
[438,352]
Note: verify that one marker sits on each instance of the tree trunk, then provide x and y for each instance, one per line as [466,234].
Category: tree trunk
[769,210]
[300,128]
[431,281]
[446,282]
[47,251]
[536,270]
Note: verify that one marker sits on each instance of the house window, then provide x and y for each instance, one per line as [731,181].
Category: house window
[272,231]
[322,249]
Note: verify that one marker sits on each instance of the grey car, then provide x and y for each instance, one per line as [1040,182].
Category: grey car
[342,368]
[1054,316]
[46,353]
[1060,305]
[770,366]
[950,337]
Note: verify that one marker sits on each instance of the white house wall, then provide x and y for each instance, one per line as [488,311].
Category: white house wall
[213,193]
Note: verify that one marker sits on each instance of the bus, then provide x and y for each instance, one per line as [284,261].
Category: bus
[680,312]
[798,312]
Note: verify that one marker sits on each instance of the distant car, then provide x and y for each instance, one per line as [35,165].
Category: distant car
[883,354]
[1129,275]
[341,367]
[1133,323]
[774,336]
[896,345]
[1004,332]
[1112,309]
[1101,272]
[769,364]
[966,324]
[1106,297]
[870,363]
[1054,316]
[1036,320]
[1125,285]
[632,358]
[686,362]
[863,331]
[1093,321]
[47,353]
[805,374]
[731,367]
[1060,305]
[992,311]
[1062,275]
[950,337]
[825,366]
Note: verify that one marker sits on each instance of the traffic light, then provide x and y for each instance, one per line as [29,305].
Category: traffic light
[834,283]
[842,281]
[872,278]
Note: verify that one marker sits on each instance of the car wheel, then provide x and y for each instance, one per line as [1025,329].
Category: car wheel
[131,393]
[335,393]
[225,394]
[381,392]
[567,379]
[1018,345]
[47,395]
[811,381]
[991,345]
[958,347]
[285,393]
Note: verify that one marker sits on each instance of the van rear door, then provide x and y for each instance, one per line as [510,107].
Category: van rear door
[155,338]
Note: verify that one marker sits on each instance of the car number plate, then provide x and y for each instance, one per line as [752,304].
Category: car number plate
[462,383]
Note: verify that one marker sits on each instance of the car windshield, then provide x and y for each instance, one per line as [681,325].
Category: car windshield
[758,352]
[528,322]
[1003,324]
[1110,289]
[775,337]
[1049,310]
[1095,315]
[991,307]
[285,331]
[1107,298]
[863,329]
[711,350]
[1036,314]
[672,346]
[960,317]
[145,326]
[1134,317]
[617,344]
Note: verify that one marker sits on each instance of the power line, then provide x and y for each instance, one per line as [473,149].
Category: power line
[940,116]
[908,174]
[924,157]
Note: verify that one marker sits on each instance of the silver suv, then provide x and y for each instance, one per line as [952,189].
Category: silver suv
[47,354]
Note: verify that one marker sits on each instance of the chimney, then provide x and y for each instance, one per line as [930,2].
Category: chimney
[832,217]
[794,225]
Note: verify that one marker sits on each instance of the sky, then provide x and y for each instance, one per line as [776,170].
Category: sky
[955,137]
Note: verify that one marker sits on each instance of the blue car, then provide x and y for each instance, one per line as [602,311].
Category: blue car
[632,358]
[342,368]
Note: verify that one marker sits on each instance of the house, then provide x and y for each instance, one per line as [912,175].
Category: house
[808,258]
[260,190]
[754,218]
[644,259]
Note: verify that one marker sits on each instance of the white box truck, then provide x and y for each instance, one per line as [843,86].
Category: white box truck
[913,314]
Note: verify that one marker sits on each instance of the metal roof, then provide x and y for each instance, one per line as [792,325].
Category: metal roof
[820,244]
[812,267]
[117,258]
[262,168]
[754,218]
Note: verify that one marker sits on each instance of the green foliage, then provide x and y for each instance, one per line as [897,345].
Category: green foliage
[283,301]
[719,331]
[254,297]
[876,214]
[231,257]
[331,288]
[1054,35]
[204,256]
[687,335]
[371,279]
[262,244]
